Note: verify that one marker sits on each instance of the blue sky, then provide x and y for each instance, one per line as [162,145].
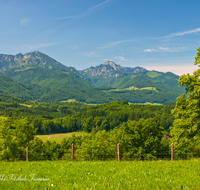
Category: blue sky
[155,34]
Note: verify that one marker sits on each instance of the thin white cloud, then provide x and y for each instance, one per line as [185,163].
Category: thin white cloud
[183,33]
[24,22]
[106,59]
[120,58]
[114,44]
[150,50]
[98,5]
[34,47]
[166,49]
[175,49]
[86,12]
[66,17]
[91,54]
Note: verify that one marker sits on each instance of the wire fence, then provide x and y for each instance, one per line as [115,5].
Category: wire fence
[92,154]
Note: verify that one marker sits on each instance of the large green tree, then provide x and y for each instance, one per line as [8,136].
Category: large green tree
[15,136]
[186,127]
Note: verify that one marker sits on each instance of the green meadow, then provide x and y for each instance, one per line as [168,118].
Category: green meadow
[60,136]
[100,175]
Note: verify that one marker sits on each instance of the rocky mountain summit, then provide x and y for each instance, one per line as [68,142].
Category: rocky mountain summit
[10,64]
[109,69]
[13,63]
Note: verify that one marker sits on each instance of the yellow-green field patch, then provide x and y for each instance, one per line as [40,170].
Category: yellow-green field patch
[131,88]
[147,103]
[148,88]
[69,100]
[27,105]
[59,136]
[2,117]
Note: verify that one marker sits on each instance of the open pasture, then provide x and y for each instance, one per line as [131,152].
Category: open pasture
[27,105]
[60,136]
[100,175]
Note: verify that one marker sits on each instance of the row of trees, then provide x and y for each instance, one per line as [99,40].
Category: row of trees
[138,139]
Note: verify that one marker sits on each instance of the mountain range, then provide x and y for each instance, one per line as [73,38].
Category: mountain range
[37,76]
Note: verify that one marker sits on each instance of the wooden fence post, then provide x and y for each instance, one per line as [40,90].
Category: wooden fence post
[118,152]
[172,152]
[72,152]
[27,153]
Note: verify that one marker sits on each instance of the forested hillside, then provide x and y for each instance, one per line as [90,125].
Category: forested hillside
[65,91]
[36,76]
[19,108]
[47,94]
[144,79]
[107,117]
[55,79]
[61,117]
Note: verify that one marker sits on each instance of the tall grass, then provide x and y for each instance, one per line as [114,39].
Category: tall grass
[100,175]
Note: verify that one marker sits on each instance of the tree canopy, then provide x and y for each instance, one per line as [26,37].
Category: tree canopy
[186,127]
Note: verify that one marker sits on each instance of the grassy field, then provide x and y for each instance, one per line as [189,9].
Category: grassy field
[27,105]
[70,100]
[100,175]
[2,117]
[131,88]
[148,88]
[147,103]
[60,136]
[73,100]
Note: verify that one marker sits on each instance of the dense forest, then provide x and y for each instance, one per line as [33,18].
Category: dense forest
[18,108]
[61,117]
[105,117]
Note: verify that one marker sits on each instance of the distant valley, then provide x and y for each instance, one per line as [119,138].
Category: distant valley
[37,76]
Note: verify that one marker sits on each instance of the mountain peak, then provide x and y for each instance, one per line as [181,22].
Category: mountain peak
[34,59]
[112,64]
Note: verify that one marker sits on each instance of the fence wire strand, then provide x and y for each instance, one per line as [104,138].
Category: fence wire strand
[80,154]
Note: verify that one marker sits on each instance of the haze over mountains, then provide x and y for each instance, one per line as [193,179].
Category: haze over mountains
[37,76]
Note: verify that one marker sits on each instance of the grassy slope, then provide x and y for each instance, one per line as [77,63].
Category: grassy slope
[101,175]
[47,94]
[88,95]
[60,85]
[20,90]
[53,79]
[147,79]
